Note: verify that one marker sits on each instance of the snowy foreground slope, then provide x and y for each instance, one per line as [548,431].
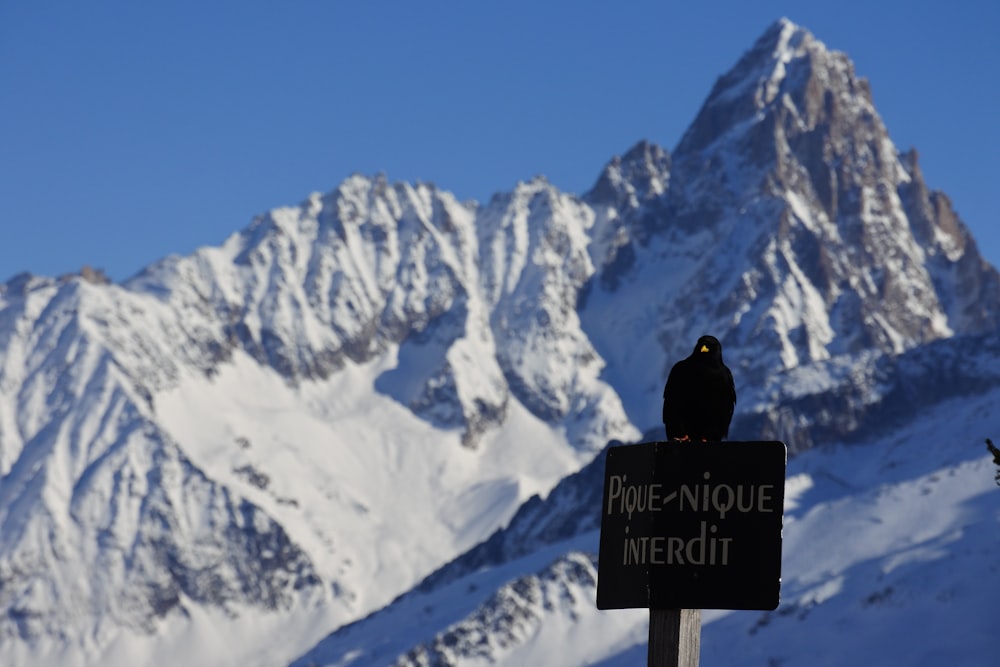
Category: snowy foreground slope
[890,558]
[363,429]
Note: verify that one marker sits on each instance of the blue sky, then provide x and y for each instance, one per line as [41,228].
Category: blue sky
[133,130]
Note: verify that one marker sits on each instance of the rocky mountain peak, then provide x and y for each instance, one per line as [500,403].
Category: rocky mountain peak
[790,227]
[641,174]
[790,95]
[624,197]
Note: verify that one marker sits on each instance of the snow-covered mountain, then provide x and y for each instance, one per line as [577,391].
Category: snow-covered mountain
[890,558]
[331,436]
[789,225]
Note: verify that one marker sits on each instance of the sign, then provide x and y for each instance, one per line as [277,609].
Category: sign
[692,526]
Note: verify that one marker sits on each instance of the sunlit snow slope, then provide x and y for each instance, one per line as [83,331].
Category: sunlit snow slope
[889,558]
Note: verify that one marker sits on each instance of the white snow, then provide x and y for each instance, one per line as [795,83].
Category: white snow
[889,558]
[344,484]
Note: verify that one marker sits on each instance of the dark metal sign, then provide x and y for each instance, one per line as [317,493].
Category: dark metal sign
[692,526]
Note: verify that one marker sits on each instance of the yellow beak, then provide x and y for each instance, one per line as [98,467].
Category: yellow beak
[704,348]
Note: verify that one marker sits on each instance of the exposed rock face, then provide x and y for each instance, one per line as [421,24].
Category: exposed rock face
[790,228]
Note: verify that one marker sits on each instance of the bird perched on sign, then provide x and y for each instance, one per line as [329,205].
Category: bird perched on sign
[700,395]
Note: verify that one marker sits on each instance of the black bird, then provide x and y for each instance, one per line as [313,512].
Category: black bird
[993,450]
[996,457]
[700,395]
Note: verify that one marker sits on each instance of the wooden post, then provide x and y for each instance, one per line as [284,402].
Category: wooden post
[674,638]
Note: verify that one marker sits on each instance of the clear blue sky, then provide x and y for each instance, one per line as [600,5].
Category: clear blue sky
[132,130]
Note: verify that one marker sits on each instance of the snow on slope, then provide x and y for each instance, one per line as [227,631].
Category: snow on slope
[107,525]
[356,496]
[889,558]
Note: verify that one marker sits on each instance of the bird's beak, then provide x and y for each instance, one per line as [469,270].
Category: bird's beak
[704,348]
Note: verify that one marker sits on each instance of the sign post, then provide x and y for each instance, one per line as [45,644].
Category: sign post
[686,527]
[674,638]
